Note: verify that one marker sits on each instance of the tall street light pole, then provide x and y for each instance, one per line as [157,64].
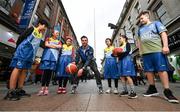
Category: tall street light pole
[94,34]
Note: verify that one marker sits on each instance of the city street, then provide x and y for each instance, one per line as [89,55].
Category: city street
[88,99]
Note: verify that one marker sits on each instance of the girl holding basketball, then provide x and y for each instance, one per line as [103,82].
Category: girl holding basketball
[67,56]
[49,60]
[126,68]
[110,67]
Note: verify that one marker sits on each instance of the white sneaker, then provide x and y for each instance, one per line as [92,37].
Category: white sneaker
[115,91]
[109,91]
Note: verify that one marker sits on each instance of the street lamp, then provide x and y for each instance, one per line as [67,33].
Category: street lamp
[112,26]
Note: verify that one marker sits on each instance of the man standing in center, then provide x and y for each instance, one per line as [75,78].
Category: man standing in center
[84,58]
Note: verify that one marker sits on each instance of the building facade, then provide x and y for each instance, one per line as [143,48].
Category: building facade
[165,11]
[18,15]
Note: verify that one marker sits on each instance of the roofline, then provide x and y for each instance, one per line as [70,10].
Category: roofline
[62,7]
[126,6]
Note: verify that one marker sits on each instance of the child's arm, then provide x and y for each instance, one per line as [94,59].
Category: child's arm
[49,45]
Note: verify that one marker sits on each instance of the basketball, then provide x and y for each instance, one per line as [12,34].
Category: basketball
[71,68]
[117,51]
[80,71]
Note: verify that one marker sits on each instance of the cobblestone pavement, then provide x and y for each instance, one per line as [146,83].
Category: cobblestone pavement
[88,99]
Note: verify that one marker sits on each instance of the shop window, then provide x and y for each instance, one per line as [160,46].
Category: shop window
[12,8]
[162,14]
[47,11]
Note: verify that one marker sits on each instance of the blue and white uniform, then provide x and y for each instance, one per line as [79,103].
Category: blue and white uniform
[110,66]
[50,55]
[126,65]
[65,58]
[26,51]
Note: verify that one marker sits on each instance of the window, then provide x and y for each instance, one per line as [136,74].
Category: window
[137,8]
[47,11]
[130,21]
[6,5]
[149,1]
[35,20]
[162,14]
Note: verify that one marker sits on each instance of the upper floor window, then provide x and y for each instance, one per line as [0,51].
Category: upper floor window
[162,14]
[47,11]
[35,19]
[6,5]
[130,21]
[137,8]
[149,1]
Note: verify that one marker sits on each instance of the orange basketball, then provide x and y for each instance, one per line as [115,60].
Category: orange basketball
[117,51]
[80,71]
[71,68]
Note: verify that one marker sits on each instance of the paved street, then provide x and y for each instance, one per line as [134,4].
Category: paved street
[87,99]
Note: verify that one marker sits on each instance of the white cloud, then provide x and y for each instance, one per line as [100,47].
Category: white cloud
[81,16]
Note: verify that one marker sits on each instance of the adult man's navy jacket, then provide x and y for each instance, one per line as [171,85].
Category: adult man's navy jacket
[86,55]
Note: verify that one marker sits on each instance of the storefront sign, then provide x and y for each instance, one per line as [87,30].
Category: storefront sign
[27,13]
[8,37]
[174,41]
[130,36]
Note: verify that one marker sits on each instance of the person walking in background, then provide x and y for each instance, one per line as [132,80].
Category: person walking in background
[49,60]
[170,73]
[67,56]
[153,45]
[110,67]
[126,68]
[23,59]
[38,71]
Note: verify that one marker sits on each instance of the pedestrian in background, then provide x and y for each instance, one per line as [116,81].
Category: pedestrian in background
[153,45]
[38,71]
[110,67]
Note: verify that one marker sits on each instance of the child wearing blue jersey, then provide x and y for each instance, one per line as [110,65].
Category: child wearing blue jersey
[110,67]
[67,56]
[126,68]
[153,46]
[23,58]
[49,60]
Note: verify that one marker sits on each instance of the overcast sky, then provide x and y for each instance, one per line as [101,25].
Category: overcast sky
[81,15]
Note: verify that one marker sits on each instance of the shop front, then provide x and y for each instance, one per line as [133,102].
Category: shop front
[174,56]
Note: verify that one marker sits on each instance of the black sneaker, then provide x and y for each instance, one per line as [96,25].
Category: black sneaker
[100,90]
[152,91]
[169,96]
[12,95]
[22,93]
[123,93]
[73,90]
[132,95]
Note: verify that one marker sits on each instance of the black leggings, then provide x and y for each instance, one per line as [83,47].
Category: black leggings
[63,81]
[115,82]
[46,77]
